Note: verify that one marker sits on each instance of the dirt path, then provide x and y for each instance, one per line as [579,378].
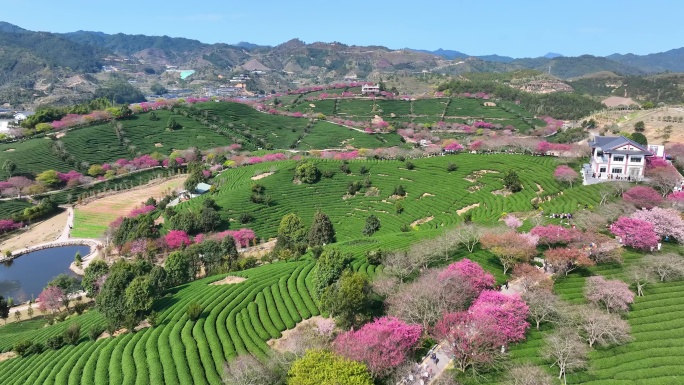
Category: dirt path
[46,231]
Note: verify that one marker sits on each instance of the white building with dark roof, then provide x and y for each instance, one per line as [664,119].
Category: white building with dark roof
[616,157]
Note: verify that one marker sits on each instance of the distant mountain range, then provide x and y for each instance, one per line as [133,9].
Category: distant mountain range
[35,62]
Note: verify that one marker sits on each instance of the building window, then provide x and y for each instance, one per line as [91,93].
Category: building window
[617,170]
[635,159]
[618,158]
[602,169]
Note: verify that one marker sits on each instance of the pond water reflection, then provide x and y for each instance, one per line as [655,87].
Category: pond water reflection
[27,275]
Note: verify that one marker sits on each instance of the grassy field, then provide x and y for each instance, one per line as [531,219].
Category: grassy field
[257,129]
[91,220]
[99,143]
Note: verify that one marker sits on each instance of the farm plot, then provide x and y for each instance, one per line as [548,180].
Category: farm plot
[92,219]
[656,352]
[11,207]
[264,130]
[32,156]
[445,197]
[237,319]
[100,143]
[327,135]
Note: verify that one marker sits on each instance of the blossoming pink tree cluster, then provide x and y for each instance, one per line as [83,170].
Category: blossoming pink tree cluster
[472,273]
[382,345]
[452,146]
[555,235]
[50,299]
[474,337]
[565,174]
[9,225]
[666,222]
[635,233]
[613,294]
[512,222]
[176,239]
[243,237]
[141,210]
[642,197]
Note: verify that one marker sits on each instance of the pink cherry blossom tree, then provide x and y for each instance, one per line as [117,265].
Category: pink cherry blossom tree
[471,272]
[555,235]
[382,345]
[475,346]
[565,174]
[176,239]
[635,233]
[50,299]
[564,260]
[613,294]
[666,222]
[507,312]
[677,199]
[642,197]
[512,222]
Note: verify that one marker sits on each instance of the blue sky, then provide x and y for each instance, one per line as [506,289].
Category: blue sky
[514,28]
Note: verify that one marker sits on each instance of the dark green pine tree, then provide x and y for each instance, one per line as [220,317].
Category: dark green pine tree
[321,231]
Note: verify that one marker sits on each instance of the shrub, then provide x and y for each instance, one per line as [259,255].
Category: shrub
[22,348]
[353,187]
[153,319]
[72,334]
[246,218]
[194,311]
[398,208]
[95,332]
[307,172]
[54,342]
[36,348]
[328,174]
[80,307]
[452,167]
[512,181]
[363,170]
[399,191]
[344,167]
[405,228]
[372,225]
[409,165]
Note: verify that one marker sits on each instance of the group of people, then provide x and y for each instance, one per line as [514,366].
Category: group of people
[561,215]
[421,374]
[613,176]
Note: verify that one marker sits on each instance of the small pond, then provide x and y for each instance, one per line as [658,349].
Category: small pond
[28,274]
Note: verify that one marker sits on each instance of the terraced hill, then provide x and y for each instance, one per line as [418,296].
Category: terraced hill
[454,110]
[655,354]
[434,196]
[205,125]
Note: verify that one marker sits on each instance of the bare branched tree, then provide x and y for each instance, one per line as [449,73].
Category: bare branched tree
[426,299]
[528,375]
[599,327]
[565,349]
[641,276]
[543,304]
[668,267]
